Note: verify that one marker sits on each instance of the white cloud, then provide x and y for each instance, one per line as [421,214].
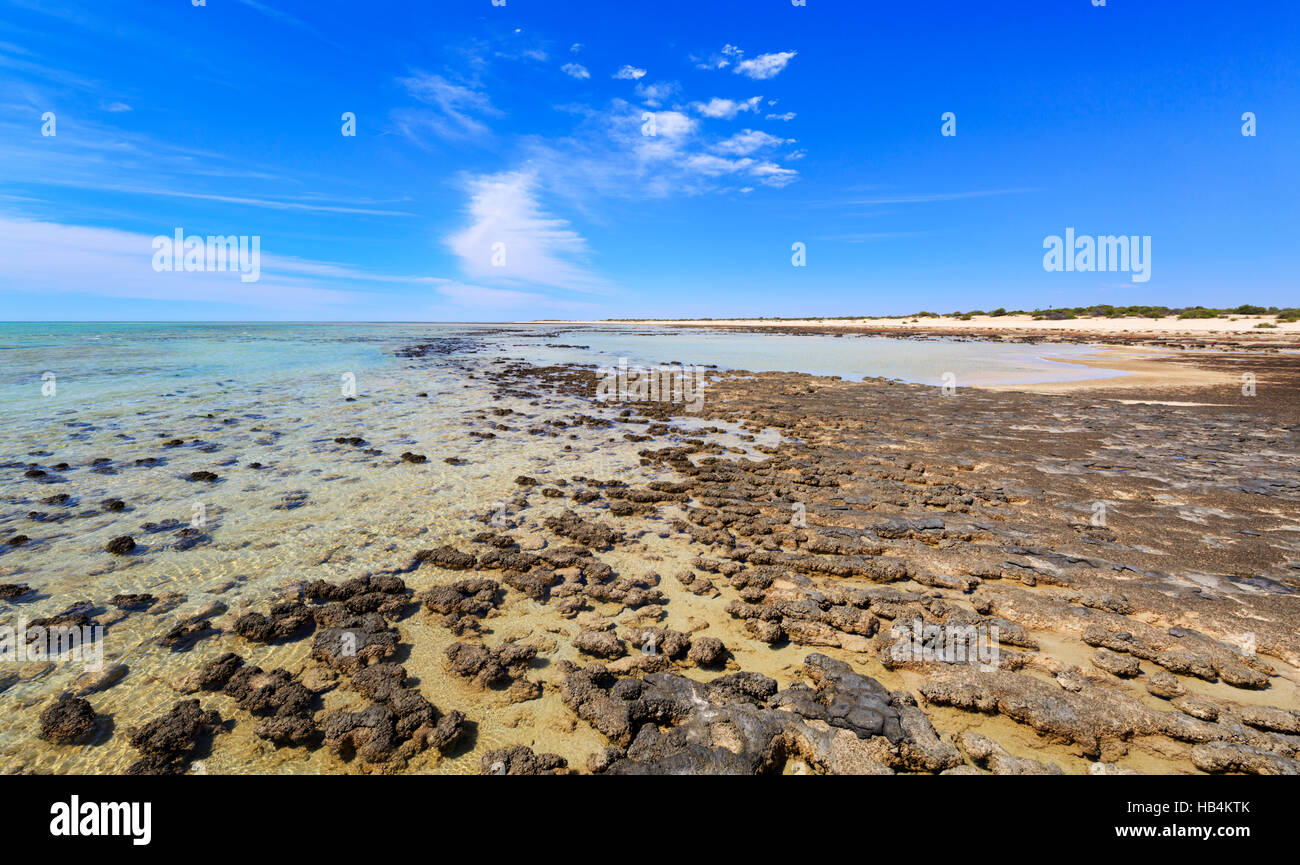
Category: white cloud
[759,68]
[674,124]
[771,174]
[455,106]
[116,107]
[613,156]
[575,70]
[511,238]
[630,73]
[749,141]
[787,117]
[285,18]
[764,66]
[721,60]
[576,47]
[726,109]
[655,95]
[45,260]
[268,203]
[715,166]
[51,259]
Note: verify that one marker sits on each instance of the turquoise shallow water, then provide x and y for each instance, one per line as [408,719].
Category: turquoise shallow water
[126,363]
[850,357]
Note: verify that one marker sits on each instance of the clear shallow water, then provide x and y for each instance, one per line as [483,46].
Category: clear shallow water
[849,357]
[124,361]
[240,395]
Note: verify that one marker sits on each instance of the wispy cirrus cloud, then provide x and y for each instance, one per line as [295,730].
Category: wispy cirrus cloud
[54,261]
[575,70]
[91,155]
[455,109]
[511,238]
[51,259]
[749,141]
[724,58]
[311,206]
[923,197]
[655,95]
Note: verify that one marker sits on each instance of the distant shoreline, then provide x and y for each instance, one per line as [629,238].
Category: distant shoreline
[1236,327]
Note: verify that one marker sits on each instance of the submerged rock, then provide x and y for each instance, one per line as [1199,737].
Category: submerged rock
[67,720]
[93,681]
[121,546]
[387,594]
[445,557]
[520,760]
[133,603]
[169,742]
[283,621]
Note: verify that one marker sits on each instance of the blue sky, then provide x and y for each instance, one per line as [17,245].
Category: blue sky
[523,125]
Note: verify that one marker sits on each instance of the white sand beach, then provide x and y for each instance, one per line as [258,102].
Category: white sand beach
[1243,326]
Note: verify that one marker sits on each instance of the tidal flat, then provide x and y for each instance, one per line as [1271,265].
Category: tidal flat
[430,549]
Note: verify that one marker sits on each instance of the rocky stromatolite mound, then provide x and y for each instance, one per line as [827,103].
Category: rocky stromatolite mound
[214,675]
[121,546]
[521,760]
[285,704]
[186,632]
[170,742]
[383,594]
[484,667]
[284,620]
[350,643]
[445,557]
[1102,722]
[462,604]
[588,533]
[398,724]
[707,651]
[845,723]
[67,720]
[136,603]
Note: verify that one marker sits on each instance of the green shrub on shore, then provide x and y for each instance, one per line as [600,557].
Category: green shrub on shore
[1106,310]
[1064,313]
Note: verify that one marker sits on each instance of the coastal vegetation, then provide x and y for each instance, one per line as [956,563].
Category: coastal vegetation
[1063,313]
